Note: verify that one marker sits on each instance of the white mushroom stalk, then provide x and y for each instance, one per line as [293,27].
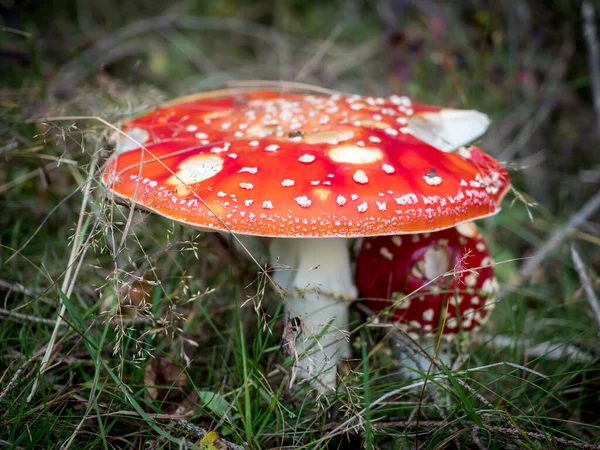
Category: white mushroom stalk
[317,276]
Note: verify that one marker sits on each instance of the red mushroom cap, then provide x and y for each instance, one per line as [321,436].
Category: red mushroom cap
[295,165]
[407,271]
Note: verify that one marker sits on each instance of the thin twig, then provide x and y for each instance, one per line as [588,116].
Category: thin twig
[591,39]
[355,57]
[18,287]
[547,96]
[426,426]
[589,208]
[109,46]
[317,56]
[546,350]
[28,318]
[519,434]
[34,173]
[15,378]
[587,285]
[540,116]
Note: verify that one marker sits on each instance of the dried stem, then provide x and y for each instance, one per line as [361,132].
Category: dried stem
[591,39]
[555,239]
[587,285]
[70,275]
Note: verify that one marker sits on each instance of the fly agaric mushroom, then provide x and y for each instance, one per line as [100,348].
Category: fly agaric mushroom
[309,171]
[439,283]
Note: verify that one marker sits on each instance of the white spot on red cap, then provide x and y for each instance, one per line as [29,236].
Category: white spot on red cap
[360,177]
[381,206]
[251,170]
[400,100]
[248,202]
[192,128]
[396,240]
[220,149]
[467,229]
[471,280]
[332,137]
[490,285]
[341,200]
[401,300]
[464,152]
[383,251]
[436,262]
[415,324]
[267,204]
[272,148]
[407,199]
[388,169]
[246,185]
[306,158]
[428,315]
[303,201]
[196,169]
[253,143]
[432,179]
[353,154]
[287,182]
[362,207]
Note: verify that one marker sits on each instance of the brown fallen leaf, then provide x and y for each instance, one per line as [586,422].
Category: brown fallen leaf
[165,379]
[135,294]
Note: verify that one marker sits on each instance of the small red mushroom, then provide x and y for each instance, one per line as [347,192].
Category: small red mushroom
[439,283]
[301,167]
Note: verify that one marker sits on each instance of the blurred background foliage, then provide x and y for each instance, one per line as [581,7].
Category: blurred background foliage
[525,63]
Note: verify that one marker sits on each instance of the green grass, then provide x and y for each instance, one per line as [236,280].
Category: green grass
[189,358]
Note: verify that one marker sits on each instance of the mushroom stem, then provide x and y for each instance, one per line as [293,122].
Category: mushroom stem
[318,279]
[414,362]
